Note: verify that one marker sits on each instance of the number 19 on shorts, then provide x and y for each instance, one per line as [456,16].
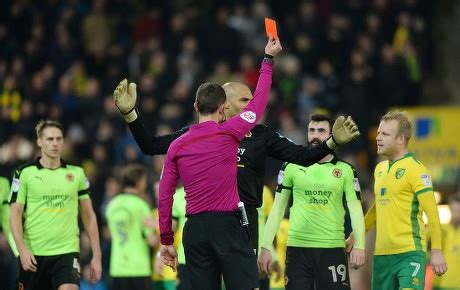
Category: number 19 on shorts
[340,270]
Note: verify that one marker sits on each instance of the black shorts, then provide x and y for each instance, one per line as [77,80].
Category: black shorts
[327,268]
[216,244]
[253,218]
[52,271]
[183,277]
[131,283]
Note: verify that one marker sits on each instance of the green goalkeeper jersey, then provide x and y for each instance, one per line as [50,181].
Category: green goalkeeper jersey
[317,214]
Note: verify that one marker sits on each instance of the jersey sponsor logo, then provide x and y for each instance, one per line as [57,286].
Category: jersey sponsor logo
[248,116]
[399,173]
[69,176]
[383,191]
[248,134]
[15,185]
[337,172]
[426,179]
[280,177]
[356,185]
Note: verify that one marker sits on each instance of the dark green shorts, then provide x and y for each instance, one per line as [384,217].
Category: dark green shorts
[400,271]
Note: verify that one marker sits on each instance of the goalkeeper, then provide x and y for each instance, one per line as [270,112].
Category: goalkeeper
[315,252]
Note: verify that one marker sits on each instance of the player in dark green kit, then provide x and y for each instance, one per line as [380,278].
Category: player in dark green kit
[126,214]
[46,195]
[316,240]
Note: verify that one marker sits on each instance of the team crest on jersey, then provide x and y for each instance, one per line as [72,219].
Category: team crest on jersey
[69,177]
[248,134]
[399,173]
[415,281]
[337,172]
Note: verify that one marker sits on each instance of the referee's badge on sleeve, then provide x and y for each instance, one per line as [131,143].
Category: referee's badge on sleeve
[280,177]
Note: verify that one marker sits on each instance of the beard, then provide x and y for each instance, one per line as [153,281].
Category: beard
[314,143]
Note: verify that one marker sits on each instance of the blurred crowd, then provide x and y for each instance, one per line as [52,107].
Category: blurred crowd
[62,59]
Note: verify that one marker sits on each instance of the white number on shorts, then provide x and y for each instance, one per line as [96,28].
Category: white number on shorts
[341,270]
[417,267]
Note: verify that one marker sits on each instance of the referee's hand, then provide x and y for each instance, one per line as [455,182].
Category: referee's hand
[28,261]
[169,256]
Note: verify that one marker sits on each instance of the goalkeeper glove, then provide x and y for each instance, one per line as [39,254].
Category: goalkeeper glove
[125,97]
[343,131]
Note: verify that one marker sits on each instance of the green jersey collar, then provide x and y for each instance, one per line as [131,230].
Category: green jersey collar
[40,166]
[405,156]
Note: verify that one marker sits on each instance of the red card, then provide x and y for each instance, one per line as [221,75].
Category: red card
[270,28]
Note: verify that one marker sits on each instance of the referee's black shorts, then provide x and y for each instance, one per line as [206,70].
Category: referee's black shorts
[216,244]
[52,272]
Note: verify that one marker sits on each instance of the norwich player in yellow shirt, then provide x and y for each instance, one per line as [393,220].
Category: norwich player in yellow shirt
[403,191]
[451,246]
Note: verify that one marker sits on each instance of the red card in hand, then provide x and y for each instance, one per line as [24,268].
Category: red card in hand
[270,28]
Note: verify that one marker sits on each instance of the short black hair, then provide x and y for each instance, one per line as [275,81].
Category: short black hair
[131,174]
[321,118]
[209,97]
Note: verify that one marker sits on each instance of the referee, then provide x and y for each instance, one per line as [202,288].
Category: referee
[46,195]
[216,240]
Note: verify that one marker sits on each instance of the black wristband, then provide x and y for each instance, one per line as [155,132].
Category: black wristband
[268,56]
[268,59]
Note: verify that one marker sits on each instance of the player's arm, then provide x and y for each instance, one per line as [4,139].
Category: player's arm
[88,218]
[428,204]
[28,261]
[18,200]
[168,184]
[283,192]
[125,97]
[281,148]
[352,191]
[370,218]
[240,124]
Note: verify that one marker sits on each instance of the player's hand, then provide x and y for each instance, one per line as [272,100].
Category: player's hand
[438,262]
[95,270]
[125,97]
[349,243]
[265,262]
[343,131]
[169,256]
[158,266]
[28,261]
[277,270]
[273,46]
[357,258]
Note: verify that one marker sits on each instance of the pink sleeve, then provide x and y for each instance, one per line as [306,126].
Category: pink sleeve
[240,124]
[168,184]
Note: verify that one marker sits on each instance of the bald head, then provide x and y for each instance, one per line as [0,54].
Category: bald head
[238,96]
